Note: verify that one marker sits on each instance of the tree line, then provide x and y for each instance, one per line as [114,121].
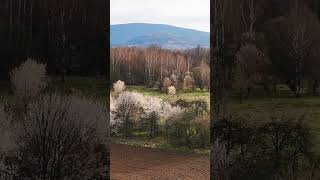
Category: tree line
[154,66]
[69,36]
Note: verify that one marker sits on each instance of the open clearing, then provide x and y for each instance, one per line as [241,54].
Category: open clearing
[128,162]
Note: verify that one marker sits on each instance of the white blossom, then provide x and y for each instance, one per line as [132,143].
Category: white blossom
[172,90]
[128,103]
[119,87]
[152,104]
[171,113]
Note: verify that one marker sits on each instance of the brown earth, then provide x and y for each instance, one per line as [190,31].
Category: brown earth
[136,163]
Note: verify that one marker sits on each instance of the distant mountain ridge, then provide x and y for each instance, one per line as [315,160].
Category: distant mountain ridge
[166,36]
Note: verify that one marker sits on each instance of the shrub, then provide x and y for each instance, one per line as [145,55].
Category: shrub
[201,138]
[171,113]
[181,103]
[171,90]
[152,109]
[166,84]
[184,127]
[267,150]
[56,142]
[200,107]
[118,87]
[28,79]
[180,130]
[188,82]
[128,111]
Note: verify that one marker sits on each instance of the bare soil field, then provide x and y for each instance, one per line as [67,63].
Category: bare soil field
[128,162]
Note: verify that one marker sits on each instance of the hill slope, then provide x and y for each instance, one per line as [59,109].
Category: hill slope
[166,36]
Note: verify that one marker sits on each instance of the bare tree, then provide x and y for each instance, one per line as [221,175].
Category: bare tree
[52,142]
[300,40]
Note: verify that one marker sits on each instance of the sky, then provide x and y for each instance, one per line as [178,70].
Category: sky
[193,14]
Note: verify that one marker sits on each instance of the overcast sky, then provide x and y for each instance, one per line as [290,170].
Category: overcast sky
[194,14]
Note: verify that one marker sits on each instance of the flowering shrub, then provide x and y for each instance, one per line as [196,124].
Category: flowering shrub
[51,135]
[152,109]
[171,113]
[166,84]
[183,125]
[188,81]
[151,104]
[118,87]
[28,79]
[73,127]
[172,90]
[187,127]
[128,110]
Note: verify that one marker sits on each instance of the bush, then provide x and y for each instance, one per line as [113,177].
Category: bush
[119,87]
[200,107]
[128,110]
[28,79]
[152,109]
[166,84]
[259,152]
[53,141]
[188,81]
[185,128]
[172,90]
[181,103]
[202,129]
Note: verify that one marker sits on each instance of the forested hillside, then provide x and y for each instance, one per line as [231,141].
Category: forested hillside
[166,36]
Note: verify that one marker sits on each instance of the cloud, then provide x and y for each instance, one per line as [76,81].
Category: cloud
[193,14]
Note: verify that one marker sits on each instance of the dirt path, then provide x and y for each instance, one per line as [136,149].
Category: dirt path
[132,163]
